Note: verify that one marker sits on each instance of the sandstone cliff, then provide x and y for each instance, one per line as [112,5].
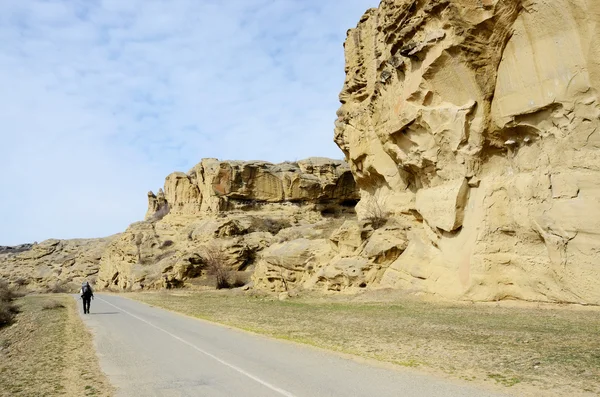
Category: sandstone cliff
[238,208]
[243,210]
[473,126]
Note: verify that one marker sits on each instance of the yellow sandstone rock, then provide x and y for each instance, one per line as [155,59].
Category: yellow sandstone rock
[474,124]
[54,265]
[240,209]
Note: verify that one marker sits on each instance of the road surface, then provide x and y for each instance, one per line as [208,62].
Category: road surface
[146,351]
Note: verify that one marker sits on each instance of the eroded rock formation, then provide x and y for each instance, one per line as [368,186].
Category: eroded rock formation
[215,186]
[237,208]
[473,125]
[53,265]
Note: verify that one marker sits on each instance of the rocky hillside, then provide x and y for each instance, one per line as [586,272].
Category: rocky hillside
[474,126]
[52,265]
[470,128]
[243,211]
[236,210]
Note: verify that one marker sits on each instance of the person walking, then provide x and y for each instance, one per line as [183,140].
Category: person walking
[86,296]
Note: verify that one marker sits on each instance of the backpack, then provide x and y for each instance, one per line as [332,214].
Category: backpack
[86,291]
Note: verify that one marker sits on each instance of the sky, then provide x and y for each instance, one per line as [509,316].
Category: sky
[101,99]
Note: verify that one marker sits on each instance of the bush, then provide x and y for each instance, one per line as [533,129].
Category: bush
[51,305]
[8,309]
[216,265]
[375,213]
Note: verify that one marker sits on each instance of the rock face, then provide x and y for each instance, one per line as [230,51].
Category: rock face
[53,265]
[215,186]
[243,210]
[473,127]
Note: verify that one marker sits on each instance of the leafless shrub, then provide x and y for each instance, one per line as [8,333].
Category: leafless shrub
[283,280]
[162,211]
[8,309]
[51,305]
[375,212]
[216,265]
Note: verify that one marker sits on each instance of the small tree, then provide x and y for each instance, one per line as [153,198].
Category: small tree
[216,265]
[375,212]
[283,280]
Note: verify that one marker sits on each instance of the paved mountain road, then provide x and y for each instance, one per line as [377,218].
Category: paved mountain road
[147,351]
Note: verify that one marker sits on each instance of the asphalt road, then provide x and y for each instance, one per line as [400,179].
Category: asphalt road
[147,351]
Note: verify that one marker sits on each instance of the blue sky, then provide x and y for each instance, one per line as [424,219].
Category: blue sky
[101,99]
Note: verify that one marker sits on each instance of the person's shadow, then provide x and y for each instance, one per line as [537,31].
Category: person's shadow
[105,313]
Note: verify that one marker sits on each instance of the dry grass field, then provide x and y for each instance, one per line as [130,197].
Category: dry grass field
[48,352]
[527,349]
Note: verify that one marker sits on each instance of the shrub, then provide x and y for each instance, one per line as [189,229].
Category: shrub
[374,211]
[8,309]
[216,265]
[51,305]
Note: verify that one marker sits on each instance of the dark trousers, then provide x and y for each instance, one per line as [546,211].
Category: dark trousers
[86,304]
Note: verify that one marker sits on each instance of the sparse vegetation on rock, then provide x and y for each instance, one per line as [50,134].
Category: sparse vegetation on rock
[216,265]
[8,308]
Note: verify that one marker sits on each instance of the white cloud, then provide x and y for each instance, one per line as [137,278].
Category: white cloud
[100,100]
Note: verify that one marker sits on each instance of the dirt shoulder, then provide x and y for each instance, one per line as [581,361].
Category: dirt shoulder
[48,351]
[526,350]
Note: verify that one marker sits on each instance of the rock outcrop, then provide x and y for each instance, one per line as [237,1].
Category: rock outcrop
[239,209]
[215,186]
[53,265]
[473,127]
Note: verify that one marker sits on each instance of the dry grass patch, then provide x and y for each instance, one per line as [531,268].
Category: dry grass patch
[527,350]
[48,351]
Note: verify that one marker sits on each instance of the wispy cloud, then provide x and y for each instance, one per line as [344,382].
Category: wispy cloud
[100,100]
